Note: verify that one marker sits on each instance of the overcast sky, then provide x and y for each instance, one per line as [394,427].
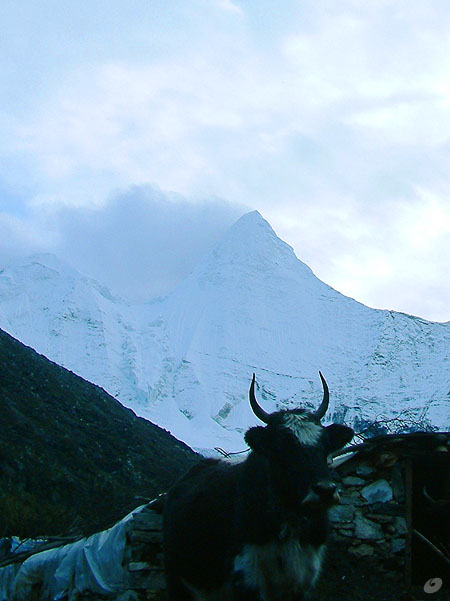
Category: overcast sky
[133,133]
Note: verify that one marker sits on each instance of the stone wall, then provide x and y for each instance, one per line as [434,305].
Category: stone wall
[143,559]
[371,518]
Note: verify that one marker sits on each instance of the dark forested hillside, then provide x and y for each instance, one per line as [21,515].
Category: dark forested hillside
[72,458]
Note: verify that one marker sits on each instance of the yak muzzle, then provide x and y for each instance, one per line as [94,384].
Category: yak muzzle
[325,490]
[322,495]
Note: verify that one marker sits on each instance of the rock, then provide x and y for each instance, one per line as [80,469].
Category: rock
[400,525]
[389,508]
[398,487]
[144,536]
[387,459]
[354,498]
[346,532]
[338,537]
[341,513]
[380,518]
[366,529]
[361,550]
[153,580]
[397,545]
[377,492]
[138,566]
[146,520]
[364,470]
[383,548]
[353,481]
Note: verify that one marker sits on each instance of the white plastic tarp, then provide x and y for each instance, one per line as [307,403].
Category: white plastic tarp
[7,579]
[92,564]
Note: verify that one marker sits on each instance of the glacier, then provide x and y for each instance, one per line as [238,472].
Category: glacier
[185,361]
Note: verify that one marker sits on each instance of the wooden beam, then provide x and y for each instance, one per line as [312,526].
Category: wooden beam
[430,544]
[409,524]
[21,556]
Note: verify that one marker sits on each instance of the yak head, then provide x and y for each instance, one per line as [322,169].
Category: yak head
[296,447]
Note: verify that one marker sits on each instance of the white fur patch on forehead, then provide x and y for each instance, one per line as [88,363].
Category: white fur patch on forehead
[306,431]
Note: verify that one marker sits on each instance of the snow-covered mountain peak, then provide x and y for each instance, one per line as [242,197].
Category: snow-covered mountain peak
[44,272]
[40,266]
[248,258]
[252,247]
[250,305]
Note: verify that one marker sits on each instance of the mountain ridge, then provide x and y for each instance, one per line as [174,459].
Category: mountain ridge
[250,305]
[69,451]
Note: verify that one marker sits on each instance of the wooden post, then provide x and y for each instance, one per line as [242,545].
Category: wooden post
[409,522]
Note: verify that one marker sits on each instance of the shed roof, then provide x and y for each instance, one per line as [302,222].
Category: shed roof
[412,444]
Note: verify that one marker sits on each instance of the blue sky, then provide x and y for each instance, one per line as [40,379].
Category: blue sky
[330,118]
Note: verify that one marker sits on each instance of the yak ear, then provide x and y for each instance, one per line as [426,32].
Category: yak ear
[256,438]
[338,436]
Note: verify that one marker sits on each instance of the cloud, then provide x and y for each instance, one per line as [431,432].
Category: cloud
[393,258]
[18,239]
[229,6]
[144,241]
[141,243]
[332,119]
[358,83]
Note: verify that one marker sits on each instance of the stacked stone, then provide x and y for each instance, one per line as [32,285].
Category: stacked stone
[144,558]
[371,517]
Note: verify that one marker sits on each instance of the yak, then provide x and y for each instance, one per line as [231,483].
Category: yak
[255,530]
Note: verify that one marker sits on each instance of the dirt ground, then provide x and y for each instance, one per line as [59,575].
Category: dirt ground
[347,578]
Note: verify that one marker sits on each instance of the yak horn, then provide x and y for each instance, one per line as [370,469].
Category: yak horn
[326,399]
[257,410]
